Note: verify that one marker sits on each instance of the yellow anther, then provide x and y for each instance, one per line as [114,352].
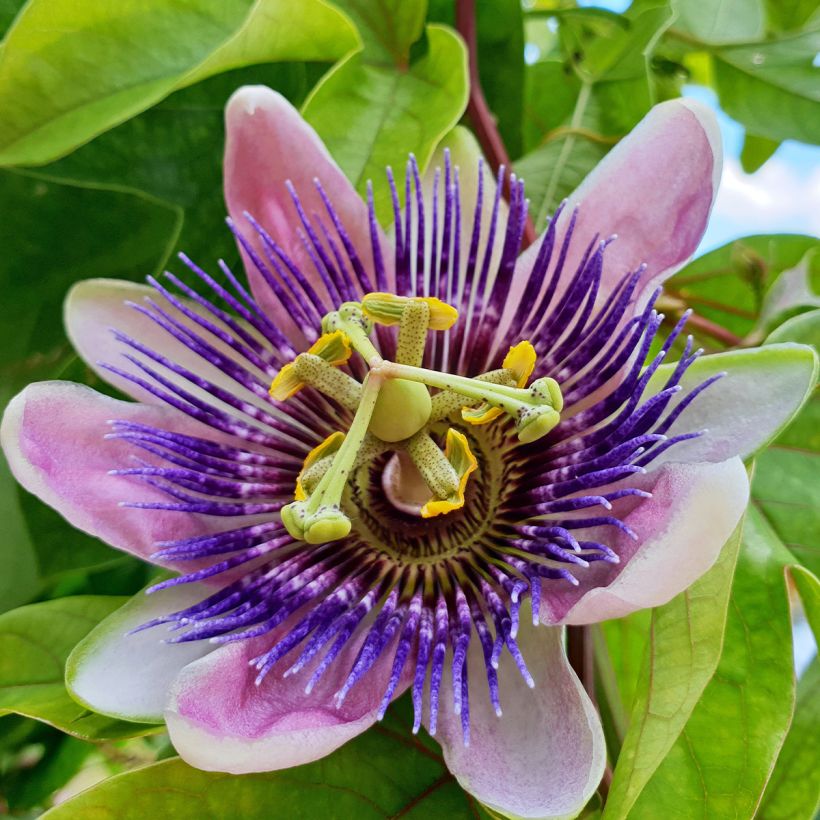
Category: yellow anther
[330,445]
[334,348]
[457,452]
[387,309]
[520,361]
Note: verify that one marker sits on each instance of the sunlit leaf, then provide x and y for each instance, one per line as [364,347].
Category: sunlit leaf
[785,487]
[69,71]
[721,762]
[721,21]
[685,640]
[773,88]
[371,115]
[35,641]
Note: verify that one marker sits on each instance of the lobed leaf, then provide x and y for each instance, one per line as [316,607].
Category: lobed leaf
[371,116]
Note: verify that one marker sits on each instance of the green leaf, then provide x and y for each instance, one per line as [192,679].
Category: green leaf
[788,15]
[808,588]
[386,772]
[275,30]
[620,647]
[721,21]
[371,115]
[388,28]
[794,787]
[722,759]
[35,641]
[773,88]
[173,153]
[729,285]
[70,71]
[756,152]
[59,234]
[500,41]
[614,92]
[785,487]
[685,640]
[31,786]
[551,88]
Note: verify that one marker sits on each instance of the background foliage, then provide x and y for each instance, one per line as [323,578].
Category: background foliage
[110,150]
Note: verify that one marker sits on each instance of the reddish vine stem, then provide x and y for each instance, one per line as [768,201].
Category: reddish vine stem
[479,112]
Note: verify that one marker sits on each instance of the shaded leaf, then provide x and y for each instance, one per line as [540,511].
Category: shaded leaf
[685,640]
[35,641]
[173,152]
[729,285]
[500,41]
[387,28]
[59,234]
[69,71]
[31,787]
[385,772]
[615,91]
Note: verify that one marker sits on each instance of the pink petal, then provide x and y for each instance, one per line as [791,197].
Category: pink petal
[267,144]
[655,190]
[545,756]
[96,306]
[53,435]
[693,510]
[220,720]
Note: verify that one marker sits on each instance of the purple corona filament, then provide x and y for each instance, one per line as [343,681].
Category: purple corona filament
[315,601]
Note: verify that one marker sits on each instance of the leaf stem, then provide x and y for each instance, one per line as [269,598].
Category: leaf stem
[566,148]
[478,111]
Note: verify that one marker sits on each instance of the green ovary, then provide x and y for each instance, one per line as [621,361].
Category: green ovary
[402,409]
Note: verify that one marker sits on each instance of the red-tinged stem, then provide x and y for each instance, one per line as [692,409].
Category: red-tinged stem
[581,657]
[716,331]
[479,112]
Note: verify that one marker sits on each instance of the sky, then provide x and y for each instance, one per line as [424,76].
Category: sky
[783,196]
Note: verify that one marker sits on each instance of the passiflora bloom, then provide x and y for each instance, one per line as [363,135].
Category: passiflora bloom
[389,468]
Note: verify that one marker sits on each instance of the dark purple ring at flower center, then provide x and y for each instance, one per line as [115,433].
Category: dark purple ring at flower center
[412,593]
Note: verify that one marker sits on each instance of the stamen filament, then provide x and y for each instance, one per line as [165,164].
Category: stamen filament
[319,518]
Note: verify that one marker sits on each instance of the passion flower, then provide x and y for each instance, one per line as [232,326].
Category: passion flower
[381,469]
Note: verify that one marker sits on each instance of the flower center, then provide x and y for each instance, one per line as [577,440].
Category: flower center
[395,411]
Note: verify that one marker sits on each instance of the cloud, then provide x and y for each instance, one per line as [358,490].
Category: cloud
[779,198]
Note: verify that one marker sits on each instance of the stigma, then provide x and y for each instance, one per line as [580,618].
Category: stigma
[395,410]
